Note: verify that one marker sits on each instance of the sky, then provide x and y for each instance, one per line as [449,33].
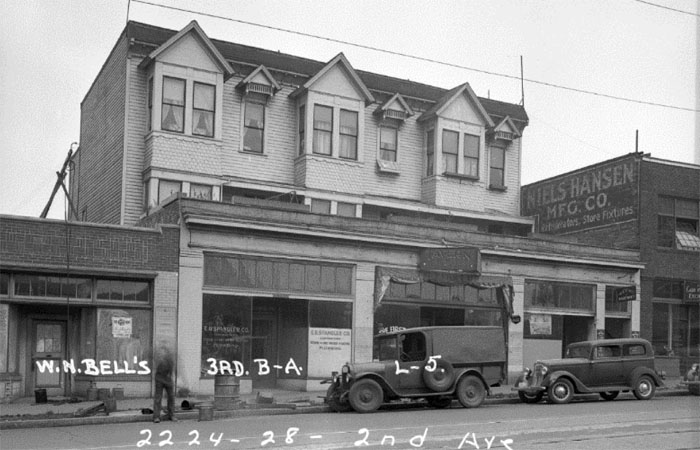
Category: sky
[51,51]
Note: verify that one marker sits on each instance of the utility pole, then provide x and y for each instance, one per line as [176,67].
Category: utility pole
[60,182]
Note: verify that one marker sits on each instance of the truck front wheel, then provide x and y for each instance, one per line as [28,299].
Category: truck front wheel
[471,392]
[334,401]
[366,395]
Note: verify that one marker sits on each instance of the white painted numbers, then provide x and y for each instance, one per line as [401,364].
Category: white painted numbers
[223,367]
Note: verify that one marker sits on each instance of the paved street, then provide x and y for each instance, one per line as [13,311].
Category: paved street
[663,423]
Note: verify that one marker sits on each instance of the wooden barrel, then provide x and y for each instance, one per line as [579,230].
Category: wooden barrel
[226,391]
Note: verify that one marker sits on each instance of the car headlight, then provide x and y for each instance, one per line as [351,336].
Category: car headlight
[527,373]
[541,369]
[346,370]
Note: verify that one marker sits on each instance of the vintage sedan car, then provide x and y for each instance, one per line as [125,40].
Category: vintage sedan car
[692,379]
[606,367]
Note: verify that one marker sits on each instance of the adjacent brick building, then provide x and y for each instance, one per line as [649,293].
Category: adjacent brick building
[637,202]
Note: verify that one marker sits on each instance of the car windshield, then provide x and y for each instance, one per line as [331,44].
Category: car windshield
[578,351]
[385,348]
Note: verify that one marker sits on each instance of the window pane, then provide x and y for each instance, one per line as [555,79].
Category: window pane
[200,191]
[202,123]
[321,206]
[173,91]
[496,177]
[254,115]
[346,209]
[471,167]
[166,188]
[330,314]
[4,283]
[204,96]
[302,125]
[348,122]
[687,234]
[323,118]
[471,145]
[387,138]
[497,157]
[450,142]
[173,114]
[253,140]
[348,147]
[322,142]
[430,152]
[226,329]
[687,208]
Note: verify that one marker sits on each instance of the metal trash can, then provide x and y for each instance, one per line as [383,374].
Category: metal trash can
[102,394]
[206,411]
[118,393]
[40,396]
[226,391]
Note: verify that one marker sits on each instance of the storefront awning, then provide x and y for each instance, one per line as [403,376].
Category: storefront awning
[504,285]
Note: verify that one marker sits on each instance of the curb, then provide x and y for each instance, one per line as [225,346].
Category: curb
[499,399]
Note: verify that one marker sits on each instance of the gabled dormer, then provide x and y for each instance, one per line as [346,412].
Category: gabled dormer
[331,108]
[455,132]
[390,115]
[186,76]
[504,132]
[260,81]
[395,108]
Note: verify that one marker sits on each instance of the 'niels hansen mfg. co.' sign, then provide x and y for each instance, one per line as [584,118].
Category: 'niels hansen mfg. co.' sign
[599,195]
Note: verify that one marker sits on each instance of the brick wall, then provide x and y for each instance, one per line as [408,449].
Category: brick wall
[29,242]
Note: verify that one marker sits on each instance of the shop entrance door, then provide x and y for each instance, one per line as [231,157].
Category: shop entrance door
[48,354]
[264,347]
[574,329]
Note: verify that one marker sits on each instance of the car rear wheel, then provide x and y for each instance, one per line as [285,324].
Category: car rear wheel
[560,391]
[644,388]
[365,396]
[334,402]
[611,395]
[439,402]
[471,392]
[530,398]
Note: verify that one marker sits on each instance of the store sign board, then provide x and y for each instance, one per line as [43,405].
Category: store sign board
[599,195]
[329,349]
[692,291]
[626,294]
[454,259]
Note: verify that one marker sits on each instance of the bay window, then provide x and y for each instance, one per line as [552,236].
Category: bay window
[348,134]
[450,151]
[471,155]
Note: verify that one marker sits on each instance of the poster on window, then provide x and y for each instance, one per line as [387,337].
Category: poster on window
[540,324]
[329,349]
[121,327]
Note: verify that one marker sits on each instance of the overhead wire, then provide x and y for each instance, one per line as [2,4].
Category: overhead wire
[420,58]
[667,8]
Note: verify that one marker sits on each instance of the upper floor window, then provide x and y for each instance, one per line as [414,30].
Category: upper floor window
[203,107]
[150,103]
[302,127]
[200,191]
[471,155]
[450,151]
[430,152]
[497,167]
[388,137]
[323,129]
[320,206]
[678,224]
[166,188]
[254,124]
[346,209]
[348,134]
[173,112]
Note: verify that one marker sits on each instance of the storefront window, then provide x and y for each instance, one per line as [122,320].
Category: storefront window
[611,305]
[120,290]
[390,318]
[330,314]
[550,294]
[52,286]
[543,326]
[226,329]
[123,335]
[675,330]
[483,317]
[4,283]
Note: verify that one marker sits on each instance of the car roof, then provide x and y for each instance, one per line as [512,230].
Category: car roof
[444,327]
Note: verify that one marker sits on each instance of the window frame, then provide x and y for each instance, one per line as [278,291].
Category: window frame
[164,103]
[452,155]
[670,215]
[387,150]
[195,109]
[328,132]
[161,180]
[246,127]
[302,129]
[500,170]
[430,152]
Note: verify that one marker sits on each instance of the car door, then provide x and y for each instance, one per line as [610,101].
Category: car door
[606,366]
[412,357]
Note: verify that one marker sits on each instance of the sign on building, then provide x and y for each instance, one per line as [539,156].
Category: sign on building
[692,292]
[456,259]
[598,195]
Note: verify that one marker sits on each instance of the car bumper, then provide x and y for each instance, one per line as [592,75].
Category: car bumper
[524,386]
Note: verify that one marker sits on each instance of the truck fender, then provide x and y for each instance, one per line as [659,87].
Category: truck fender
[639,371]
[476,373]
[386,387]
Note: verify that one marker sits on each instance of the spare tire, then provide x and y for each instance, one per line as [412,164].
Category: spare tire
[441,378]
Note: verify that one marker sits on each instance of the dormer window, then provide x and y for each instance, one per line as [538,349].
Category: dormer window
[173,115]
[323,129]
[348,134]
[254,127]
[472,147]
[497,168]
[388,137]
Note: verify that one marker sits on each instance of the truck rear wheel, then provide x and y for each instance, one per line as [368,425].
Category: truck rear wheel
[471,392]
[366,396]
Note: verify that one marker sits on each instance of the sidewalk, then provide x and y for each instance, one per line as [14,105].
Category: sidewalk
[25,413]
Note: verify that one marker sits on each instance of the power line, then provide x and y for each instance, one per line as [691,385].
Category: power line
[420,58]
[668,8]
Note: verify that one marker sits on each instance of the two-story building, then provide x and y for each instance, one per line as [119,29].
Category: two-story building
[637,202]
[319,204]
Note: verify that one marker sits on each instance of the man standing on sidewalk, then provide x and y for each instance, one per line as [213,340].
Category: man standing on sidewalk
[164,365]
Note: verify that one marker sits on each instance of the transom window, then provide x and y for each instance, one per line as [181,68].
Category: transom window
[388,137]
[254,127]
[346,209]
[323,129]
[173,112]
[203,109]
[348,134]
[320,206]
[200,191]
[166,188]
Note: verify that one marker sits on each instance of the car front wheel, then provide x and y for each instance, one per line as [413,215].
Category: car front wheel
[561,391]
[334,401]
[644,388]
[611,395]
[365,396]
[471,392]
[530,398]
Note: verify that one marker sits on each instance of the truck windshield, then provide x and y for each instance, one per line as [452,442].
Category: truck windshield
[385,348]
[578,352]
